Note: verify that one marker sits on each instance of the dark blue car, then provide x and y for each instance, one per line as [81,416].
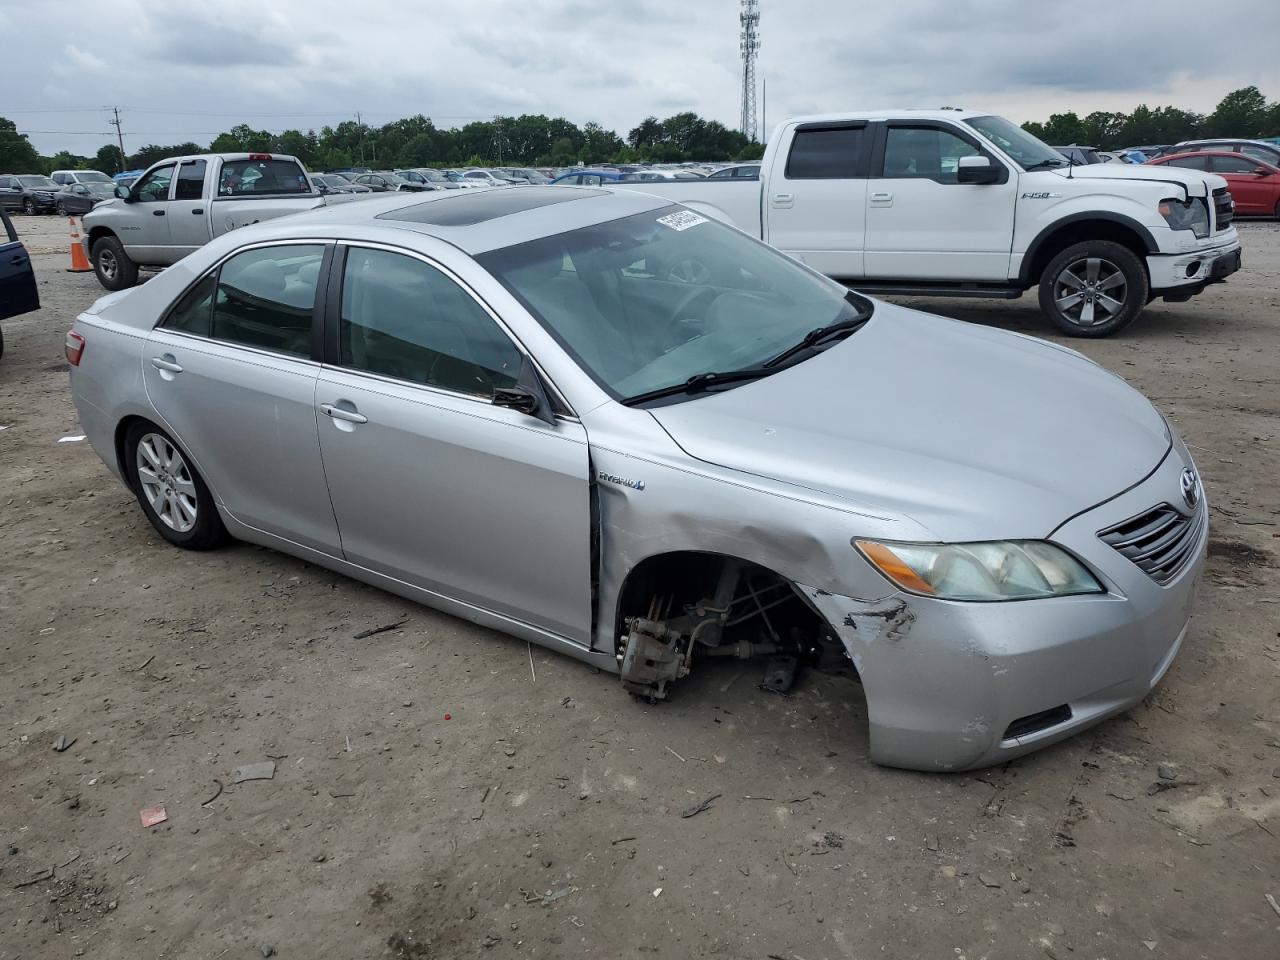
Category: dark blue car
[17,280]
[587,178]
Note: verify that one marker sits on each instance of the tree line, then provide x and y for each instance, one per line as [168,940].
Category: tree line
[538,140]
[528,140]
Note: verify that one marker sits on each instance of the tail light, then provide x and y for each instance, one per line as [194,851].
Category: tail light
[74,348]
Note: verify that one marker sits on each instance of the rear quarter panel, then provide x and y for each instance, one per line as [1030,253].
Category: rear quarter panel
[107,385]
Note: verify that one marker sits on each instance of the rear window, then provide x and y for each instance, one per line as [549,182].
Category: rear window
[258,177]
[824,154]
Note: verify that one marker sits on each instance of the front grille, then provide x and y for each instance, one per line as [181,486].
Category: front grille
[1224,209]
[1160,541]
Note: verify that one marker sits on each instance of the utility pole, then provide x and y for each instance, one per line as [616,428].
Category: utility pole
[119,137]
[764,109]
[360,134]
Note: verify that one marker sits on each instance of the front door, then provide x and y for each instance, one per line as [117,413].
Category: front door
[924,224]
[815,205]
[189,209]
[231,374]
[146,236]
[18,292]
[431,483]
[1255,194]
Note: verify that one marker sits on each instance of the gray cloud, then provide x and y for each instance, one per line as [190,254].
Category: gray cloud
[179,74]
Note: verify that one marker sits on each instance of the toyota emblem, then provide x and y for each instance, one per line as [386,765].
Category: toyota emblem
[1190,484]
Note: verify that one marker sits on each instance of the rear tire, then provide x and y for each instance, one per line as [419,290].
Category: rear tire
[60,209]
[170,491]
[1094,288]
[29,207]
[112,265]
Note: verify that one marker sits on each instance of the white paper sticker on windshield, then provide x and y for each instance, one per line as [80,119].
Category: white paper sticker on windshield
[682,220]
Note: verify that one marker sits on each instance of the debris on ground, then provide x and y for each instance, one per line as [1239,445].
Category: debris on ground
[1167,771]
[63,743]
[268,950]
[38,878]
[152,815]
[698,808]
[1272,900]
[265,770]
[780,674]
[216,793]
[374,631]
[989,880]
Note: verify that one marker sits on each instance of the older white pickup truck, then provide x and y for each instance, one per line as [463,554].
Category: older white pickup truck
[959,203]
[181,203]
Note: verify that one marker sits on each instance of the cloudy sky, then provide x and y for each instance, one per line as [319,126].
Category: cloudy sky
[188,70]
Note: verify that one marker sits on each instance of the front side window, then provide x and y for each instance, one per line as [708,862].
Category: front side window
[1261,153]
[825,154]
[646,302]
[265,298]
[190,180]
[1240,164]
[1190,163]
[61,178]
[240,177]
[924,153]
[154,186]
[403,318]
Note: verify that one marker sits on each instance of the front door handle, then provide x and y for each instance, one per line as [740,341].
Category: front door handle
[157,213]
[882,197]
[197,212]
[334,412]
[167,363]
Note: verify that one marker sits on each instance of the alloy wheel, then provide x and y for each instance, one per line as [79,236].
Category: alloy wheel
[166,482]
[1090,291]
[107,264]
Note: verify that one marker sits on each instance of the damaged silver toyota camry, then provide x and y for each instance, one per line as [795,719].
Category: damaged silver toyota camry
[611,426]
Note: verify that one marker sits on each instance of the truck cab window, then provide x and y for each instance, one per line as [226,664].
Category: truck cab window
[825,153]
[190,181]
[155,185]
[924,153]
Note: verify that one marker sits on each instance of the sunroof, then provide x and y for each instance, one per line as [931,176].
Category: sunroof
[471,207]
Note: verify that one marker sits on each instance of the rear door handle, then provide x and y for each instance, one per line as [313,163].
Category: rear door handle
[783,199]
[338,413]
[166,363]
[197,212]
[157,213]
[882,197]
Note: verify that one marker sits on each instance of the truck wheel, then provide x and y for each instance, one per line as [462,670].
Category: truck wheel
[112,265]
[1093,289]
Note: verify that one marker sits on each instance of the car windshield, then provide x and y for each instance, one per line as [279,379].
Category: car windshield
[44,182]
[92,176]
[1025,150]
[648,301]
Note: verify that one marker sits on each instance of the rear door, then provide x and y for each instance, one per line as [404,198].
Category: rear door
[18,292]
[10,193]
[189,208]
[815,197]
[924,224]
[1255,195]
[231,372]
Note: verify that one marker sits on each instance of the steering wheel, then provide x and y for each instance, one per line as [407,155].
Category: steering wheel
[689,270]
[684,313]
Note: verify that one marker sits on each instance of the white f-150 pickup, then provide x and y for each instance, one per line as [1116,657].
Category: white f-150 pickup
[959,203]
[181,203]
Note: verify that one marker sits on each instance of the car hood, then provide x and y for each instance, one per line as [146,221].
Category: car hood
[973,433]
[1198,183]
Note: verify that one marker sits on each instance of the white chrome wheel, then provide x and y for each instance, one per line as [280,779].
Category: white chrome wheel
[166,482]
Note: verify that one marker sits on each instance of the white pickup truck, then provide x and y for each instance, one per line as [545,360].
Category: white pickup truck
[958,203]
[181,203]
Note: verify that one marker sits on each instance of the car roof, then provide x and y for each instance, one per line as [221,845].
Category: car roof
[476,221]
[943,114]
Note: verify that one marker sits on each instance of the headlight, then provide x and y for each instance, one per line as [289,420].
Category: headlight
[1192,215]
[996,570]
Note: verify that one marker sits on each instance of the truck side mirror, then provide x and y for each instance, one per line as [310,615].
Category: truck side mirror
[122,193]
[977,169]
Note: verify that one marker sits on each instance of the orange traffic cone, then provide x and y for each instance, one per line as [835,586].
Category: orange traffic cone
[79,262]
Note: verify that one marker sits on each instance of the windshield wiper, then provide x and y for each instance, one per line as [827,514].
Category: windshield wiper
[815,338]
[1051,162]
[697,383]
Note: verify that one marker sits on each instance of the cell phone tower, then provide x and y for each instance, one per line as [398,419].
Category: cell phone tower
[749,42]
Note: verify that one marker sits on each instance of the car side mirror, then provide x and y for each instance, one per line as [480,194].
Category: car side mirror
[1261,172]
[122,193]
[528,395]
[977,169]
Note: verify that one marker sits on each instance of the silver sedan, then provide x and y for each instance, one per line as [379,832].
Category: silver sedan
[617,428]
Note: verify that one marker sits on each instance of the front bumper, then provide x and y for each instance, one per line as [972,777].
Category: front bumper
[1193,271]
[42,203]
[946,681]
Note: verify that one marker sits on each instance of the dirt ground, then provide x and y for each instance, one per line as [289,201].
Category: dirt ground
[442,791]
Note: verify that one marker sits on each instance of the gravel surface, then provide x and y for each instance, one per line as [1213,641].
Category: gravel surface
[431,799]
